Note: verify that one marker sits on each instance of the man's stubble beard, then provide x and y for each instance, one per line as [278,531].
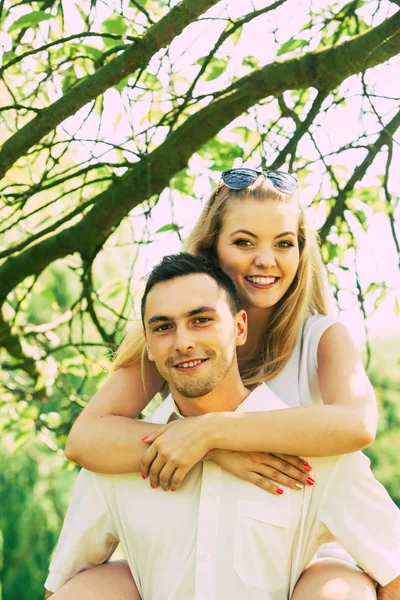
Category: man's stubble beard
[202,387]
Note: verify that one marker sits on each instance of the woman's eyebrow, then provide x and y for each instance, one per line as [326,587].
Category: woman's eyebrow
[286,233]
[245,231]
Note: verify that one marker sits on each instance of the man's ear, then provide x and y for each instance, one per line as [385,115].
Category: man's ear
[241,328]
[149,354]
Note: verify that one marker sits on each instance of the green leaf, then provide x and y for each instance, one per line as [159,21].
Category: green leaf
[396,307]
[90,51]
[152,82]
[349,9]
[184,182]
[169,227]
[379,299]
[115,25]
[81,12]
[69,80]
[250,61]
[307,26]
[292,45]
[215,67]
[30,20]
[235,37]
[84,50]
[361,217]
[371,288]
[222,153]
[121,85]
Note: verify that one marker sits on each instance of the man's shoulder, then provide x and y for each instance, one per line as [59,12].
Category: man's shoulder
[162,413]
[348,469]
[263,398]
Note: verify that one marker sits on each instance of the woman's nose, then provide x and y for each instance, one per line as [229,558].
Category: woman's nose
[265,258]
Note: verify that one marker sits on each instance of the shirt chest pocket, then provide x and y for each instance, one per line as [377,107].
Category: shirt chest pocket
[263,543]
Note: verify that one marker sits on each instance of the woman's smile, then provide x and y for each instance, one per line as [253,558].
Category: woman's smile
[262,282]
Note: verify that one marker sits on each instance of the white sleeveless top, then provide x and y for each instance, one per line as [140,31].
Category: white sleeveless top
[297,385]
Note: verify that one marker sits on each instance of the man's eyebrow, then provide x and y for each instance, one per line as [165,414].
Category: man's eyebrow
[245,231]
[200,310]
[190,313]
[157,319]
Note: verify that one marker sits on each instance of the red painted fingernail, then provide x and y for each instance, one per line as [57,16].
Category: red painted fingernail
[144,477]
[152,486]
[279,491]
[172,489]
[307,467]
[145,438]
[310,481]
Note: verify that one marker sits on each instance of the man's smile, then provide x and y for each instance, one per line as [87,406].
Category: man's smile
[190,365]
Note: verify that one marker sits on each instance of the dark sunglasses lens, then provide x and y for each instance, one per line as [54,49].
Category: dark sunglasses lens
[284,182]
[239,179]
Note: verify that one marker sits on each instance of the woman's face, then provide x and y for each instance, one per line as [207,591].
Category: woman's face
[258,249]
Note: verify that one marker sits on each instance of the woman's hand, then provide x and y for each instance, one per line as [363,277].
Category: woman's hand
[259,467]
[174,449]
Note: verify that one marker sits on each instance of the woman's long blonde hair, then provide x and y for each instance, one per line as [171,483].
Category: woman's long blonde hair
[305,295]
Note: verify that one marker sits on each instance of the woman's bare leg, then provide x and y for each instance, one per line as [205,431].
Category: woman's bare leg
[111,581]
[331,579]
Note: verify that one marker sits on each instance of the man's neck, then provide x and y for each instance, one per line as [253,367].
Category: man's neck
[225,397]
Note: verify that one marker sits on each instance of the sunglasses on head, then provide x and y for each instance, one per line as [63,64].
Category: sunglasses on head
[240,179]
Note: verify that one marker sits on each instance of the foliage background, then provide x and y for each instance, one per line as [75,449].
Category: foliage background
[116,118]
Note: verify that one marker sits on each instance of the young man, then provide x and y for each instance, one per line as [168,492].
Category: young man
[220,537]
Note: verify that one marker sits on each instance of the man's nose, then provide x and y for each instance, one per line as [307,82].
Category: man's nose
[184,341]
[265,258]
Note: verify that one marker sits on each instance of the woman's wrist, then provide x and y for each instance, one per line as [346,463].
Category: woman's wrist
[212,430]
[211,455]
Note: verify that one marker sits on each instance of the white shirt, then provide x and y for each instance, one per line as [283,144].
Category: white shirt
[219,537]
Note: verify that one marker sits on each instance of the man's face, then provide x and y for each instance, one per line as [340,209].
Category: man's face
[191,333]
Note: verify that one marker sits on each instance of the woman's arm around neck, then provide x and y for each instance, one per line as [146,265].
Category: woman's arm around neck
[106,438]
[346,422]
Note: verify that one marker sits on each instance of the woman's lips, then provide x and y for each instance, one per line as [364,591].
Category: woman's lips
[262,283]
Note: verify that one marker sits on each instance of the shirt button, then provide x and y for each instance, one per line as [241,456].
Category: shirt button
[206,556]
[210,496]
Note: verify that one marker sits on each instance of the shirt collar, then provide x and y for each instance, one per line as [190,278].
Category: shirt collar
[260,399]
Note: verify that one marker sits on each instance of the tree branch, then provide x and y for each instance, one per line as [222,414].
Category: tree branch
[136,56]
[20,57]
[12,344]
[230,29]
[390,205]
[340,201]
[303,127]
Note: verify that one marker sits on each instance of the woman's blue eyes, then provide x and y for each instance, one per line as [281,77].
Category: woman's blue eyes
[280,244]
[242,242]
